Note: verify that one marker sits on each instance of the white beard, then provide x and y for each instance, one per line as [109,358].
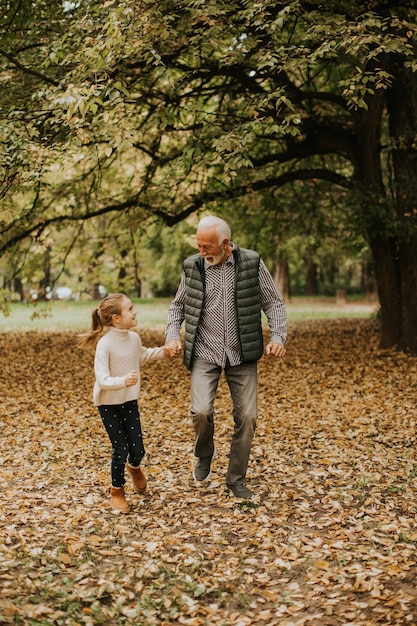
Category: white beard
[215,260]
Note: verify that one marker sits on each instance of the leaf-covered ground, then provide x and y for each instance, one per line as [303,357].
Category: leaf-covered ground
[331,538]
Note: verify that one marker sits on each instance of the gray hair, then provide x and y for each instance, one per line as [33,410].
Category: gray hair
[221,227]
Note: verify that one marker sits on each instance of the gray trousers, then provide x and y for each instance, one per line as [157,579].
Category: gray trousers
[242,381]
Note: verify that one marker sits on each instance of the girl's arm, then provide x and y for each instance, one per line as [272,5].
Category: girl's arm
[150,354]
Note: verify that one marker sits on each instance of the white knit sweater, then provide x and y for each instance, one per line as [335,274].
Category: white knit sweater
[119,352]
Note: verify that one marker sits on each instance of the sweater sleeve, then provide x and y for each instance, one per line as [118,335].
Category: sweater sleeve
[149,354]
[102,369]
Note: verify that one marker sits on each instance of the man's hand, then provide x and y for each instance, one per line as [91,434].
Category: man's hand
[275,349]
[172,348]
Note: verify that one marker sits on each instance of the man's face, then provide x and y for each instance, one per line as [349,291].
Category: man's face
[209,247]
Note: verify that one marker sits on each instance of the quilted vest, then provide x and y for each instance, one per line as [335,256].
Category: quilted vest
[247,303]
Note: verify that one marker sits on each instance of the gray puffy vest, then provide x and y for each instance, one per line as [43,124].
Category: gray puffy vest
[247,302]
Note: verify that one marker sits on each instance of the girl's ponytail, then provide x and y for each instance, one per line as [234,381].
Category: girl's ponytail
[93,335]
[101,316]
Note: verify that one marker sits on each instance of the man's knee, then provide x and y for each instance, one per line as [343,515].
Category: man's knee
[247,420]
[201,417]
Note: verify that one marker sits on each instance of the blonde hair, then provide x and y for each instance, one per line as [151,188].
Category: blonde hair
[102,316]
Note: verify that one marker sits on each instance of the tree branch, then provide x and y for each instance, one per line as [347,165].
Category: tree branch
[241,190]
[28,70]
[171,219]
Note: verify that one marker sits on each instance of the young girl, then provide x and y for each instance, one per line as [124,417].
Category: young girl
[119,354]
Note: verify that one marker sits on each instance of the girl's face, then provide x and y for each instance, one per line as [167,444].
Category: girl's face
[127,317]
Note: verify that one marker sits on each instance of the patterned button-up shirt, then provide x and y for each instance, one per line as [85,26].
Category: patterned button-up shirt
[217,338]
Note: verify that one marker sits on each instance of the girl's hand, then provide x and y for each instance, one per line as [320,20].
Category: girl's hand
[132,378]
[172,348]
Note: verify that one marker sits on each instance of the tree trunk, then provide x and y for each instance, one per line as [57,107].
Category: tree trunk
[121,278]
[387,280]
[45,282]
[389,221]
[396,276]
[311,274]
[96,292]
[18,288]
[402,114]
[407,340]
[281,276]
[367,279]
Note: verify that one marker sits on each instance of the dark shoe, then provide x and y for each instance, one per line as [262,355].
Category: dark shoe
[241,491]
[202,469]
[138,478]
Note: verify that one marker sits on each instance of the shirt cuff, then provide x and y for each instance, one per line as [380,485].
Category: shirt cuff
[276,339]
[172,335]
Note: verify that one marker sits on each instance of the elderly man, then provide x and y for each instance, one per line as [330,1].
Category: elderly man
[222,293]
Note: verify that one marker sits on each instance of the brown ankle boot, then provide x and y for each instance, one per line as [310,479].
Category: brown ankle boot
[118,500]
[138,478]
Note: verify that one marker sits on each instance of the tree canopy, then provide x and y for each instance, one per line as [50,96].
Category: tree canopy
[156,110]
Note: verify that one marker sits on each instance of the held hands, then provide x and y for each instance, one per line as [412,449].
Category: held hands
[172,348]
[275,349]
[132,378]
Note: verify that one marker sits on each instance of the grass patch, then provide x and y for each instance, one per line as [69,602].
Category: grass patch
[76,315]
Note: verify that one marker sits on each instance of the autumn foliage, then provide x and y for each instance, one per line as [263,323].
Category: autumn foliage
[330,539]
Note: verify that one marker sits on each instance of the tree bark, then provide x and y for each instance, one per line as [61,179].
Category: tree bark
[45,281]
[402,116]
[407,340]
[281,276]
[381,214]
[311,274]
[387,280]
